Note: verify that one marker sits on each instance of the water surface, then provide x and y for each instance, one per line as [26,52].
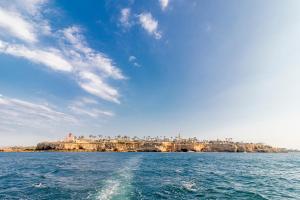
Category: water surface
[149,176]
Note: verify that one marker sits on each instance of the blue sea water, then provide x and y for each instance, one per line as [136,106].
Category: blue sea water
[145,176]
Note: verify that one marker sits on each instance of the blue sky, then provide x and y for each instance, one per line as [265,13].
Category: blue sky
[210,69]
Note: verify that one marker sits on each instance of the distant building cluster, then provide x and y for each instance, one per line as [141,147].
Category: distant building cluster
[119,138]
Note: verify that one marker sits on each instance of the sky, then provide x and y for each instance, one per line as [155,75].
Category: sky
[210,69]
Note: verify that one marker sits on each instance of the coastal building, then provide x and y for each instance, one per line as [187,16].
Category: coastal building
[70,138]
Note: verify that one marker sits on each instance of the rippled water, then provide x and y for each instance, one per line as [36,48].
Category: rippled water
[149,176]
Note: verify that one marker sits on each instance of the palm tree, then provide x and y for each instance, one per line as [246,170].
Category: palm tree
[81,137]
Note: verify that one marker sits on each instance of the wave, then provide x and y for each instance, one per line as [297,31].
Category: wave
[119,185]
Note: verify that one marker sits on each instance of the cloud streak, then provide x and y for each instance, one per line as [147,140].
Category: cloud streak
[96,86]
[16,113]
[89,107]
[149,24]
[51,58]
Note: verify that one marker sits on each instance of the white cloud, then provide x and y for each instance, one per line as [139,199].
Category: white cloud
[145,19]
[26,33]
[87,57]
[12,23]
[164,4]
[51,58]
[131,58]
[24,19]
[149,24]
[96,86]
[92,67]
[125,15]
[69,51]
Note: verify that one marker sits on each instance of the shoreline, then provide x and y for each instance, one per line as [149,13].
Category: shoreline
[149,152]
[21,150]
[126,144]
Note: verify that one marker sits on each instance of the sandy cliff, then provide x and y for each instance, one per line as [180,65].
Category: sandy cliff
[151,146]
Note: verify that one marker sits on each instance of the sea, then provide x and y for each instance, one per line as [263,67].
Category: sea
[149,176]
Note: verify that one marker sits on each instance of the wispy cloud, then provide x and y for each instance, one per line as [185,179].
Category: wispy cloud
[145,19]
[83,57]
[23,20]
[89,107]
[15,113]
[164,4]
[92,68]
[96,86]
[124,18]
[133,60]
[32,7]
[69,52]
[52,58]
[12,23]
[21,118]
[91,113]
[149,24]
[86,101]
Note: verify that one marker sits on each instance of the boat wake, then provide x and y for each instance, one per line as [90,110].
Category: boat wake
[119,185]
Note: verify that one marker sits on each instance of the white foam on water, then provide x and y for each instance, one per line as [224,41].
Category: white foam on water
[40,185]
[190,186]
[119,186]
[110,189]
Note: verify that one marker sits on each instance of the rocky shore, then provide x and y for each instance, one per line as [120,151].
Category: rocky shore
[18,149]
[126,144]
[139,146]
[122,144]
